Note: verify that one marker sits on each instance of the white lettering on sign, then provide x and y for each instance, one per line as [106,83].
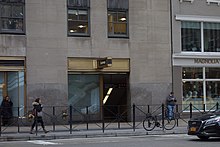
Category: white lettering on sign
[207,61]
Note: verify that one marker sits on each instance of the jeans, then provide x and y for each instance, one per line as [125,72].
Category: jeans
[170,111]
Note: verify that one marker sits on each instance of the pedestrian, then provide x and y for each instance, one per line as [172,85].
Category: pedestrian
[6,110]
[171,101]
[37,112]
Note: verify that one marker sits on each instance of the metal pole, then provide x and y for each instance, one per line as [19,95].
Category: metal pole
[54,118]
[71,119]
[177,112]
[87,116]
[18,120]
[190,109]
[134,117]
[163,116]
[103,120]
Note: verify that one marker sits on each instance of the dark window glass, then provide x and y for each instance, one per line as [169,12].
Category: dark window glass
[78,17]
[212,73]
[12,16]
[192,73]
[191,36]
[212,37]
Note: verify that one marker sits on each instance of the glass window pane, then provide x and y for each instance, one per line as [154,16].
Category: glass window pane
[191,36]
[17,11]
[212,73]
[78,27]
[212,93]
[84,91]
[193,93]
[6,11]
[192,73]
[120,28]
[122,17]
[112,17]
[212,37]
[72,15]
[83,15]
[110,28]
[12,24]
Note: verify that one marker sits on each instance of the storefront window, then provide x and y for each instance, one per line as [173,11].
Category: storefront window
[84,93]
[192,73]
[12,84]
[212,73]
[200,90]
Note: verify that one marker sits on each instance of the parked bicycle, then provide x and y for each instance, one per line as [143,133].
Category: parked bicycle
[152,121]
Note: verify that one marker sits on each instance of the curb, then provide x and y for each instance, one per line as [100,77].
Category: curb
[109,133]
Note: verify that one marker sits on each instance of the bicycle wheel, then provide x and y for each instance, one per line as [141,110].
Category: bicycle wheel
[149,123]
[169,124]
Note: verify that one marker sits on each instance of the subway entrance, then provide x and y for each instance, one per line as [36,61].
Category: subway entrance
[115,96]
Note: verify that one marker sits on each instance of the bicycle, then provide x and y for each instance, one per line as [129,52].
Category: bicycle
[150,122]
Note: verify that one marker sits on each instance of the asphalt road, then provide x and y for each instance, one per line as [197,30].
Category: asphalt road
[179,140]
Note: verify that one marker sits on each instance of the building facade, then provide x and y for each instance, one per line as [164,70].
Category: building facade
[196,52]
[85,53]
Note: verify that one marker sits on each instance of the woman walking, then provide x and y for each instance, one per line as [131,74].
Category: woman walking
[37,111]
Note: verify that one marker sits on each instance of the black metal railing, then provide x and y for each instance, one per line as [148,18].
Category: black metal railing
[69,118]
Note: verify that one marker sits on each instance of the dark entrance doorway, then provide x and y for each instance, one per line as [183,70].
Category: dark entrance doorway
[115,96]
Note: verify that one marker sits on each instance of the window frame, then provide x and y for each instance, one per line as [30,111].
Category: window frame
[22,19]
[117,9]
[78,8]
[202,37]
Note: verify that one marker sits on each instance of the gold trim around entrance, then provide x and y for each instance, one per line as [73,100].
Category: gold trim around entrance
[8,66]
[90,65]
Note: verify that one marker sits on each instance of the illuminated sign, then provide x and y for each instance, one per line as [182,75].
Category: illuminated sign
[104,62]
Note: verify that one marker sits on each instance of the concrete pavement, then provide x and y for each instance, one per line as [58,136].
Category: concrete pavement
[14,133]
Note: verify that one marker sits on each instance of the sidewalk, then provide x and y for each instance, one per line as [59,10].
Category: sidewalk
[11,134]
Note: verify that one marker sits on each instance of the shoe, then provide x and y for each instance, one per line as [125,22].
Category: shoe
[45,131]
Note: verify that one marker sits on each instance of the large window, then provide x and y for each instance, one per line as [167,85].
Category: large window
[200,36]
[118,18]
[78,17]
[84,93]
[201,85]
[12,16]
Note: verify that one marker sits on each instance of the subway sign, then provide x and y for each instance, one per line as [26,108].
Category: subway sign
[104,62]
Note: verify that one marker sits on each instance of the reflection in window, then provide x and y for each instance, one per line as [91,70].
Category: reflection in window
[212,37]
[191,73]
[78,17]
[12,16]
[84,92]
[191,36]
[200,90]
[118,18]
[212,73]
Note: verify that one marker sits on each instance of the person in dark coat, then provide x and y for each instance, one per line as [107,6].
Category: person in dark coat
[37,112]
[6,110]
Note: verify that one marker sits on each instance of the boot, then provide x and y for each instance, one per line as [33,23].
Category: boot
[31,132]
[45,131]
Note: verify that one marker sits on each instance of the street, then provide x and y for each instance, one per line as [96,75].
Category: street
[178,140]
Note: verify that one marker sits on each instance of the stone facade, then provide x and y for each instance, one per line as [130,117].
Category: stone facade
[47,46]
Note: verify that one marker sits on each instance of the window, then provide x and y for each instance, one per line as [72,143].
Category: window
[118,18]
[200,36]
[212,37]
[12,16]
[78,18]
[84,92]
[201,85]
